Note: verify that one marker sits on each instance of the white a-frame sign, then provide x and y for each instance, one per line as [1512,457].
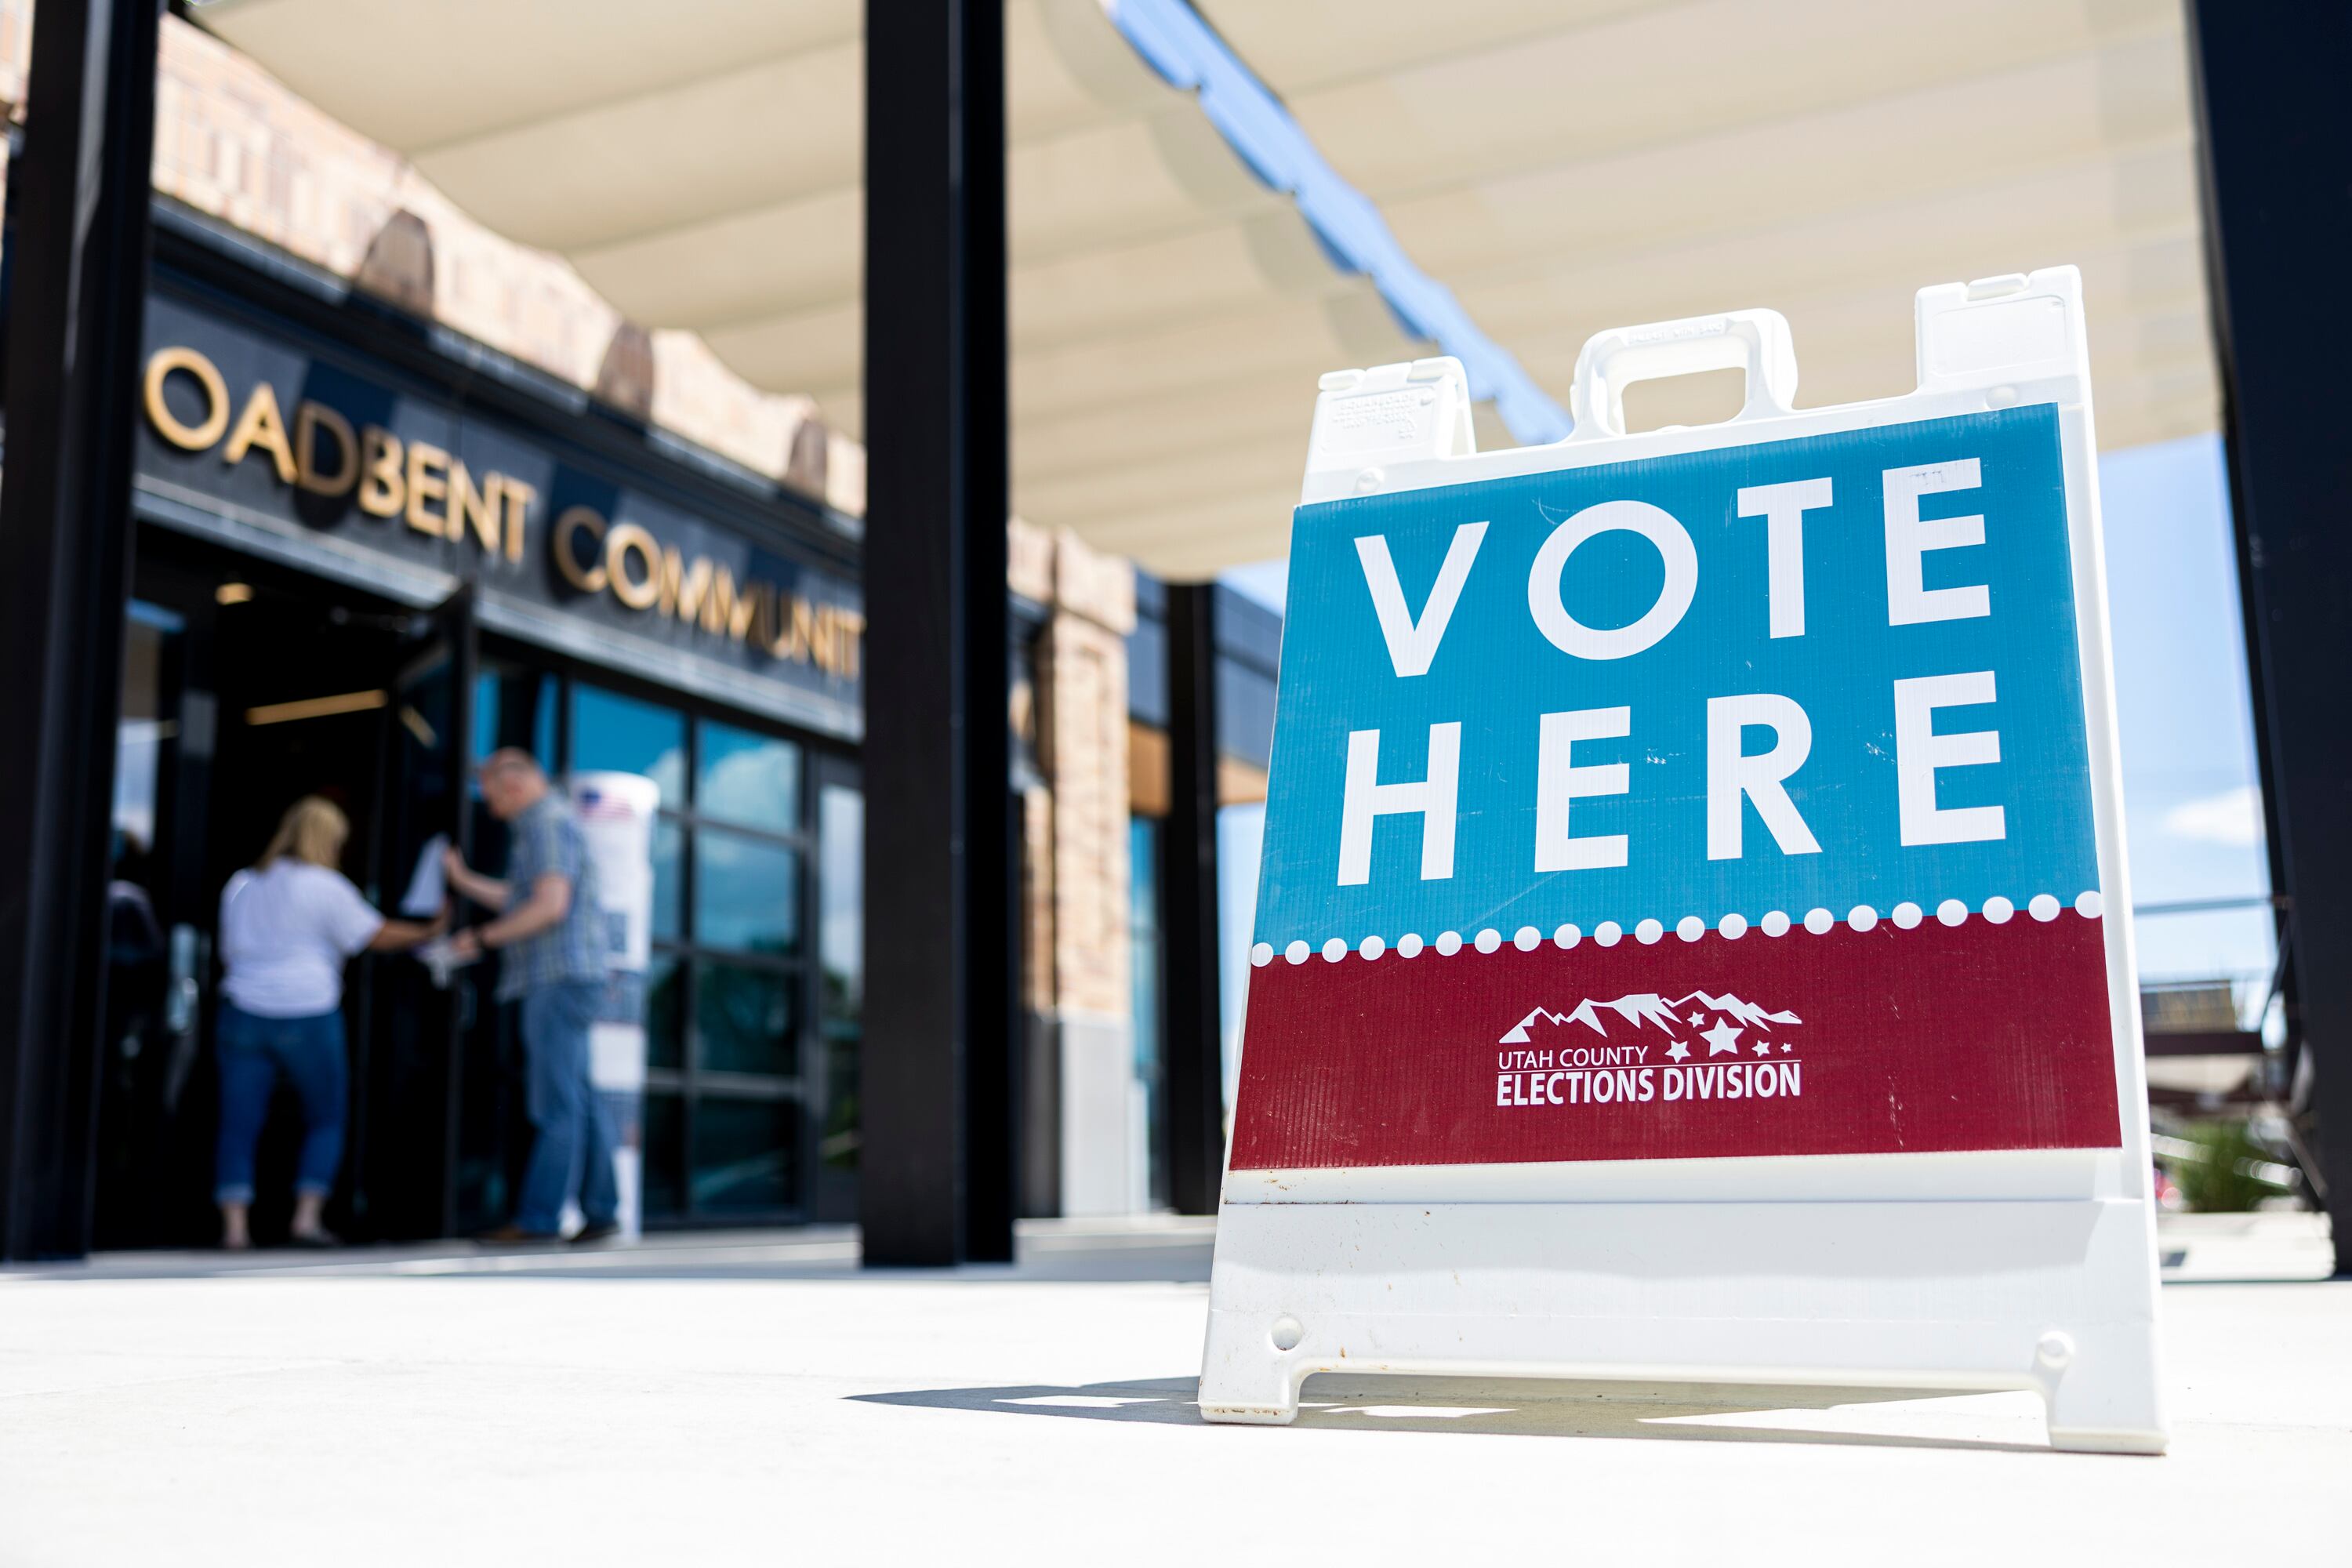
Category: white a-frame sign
[1692,940]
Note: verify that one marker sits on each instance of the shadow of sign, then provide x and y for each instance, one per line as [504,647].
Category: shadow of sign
[1863,1417]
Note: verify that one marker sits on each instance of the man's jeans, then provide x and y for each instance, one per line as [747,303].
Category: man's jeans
[574,1133]
[255,1052]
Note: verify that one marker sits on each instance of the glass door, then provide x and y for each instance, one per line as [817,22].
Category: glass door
[840,1005]
[410,1051]
[153,1162]
[742,1008]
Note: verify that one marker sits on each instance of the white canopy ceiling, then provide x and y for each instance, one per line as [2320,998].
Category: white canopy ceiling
[1563,166]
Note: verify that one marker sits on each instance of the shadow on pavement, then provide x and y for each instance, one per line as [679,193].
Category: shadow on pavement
[1674,1412]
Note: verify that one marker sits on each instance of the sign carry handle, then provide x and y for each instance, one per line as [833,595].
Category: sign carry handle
[1757,342]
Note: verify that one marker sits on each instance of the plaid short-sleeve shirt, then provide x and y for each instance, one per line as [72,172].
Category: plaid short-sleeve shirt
[547,837]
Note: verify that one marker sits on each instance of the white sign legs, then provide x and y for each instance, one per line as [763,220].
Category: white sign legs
[2057,1297]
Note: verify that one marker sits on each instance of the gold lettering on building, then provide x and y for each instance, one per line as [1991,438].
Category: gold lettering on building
[728,613]
[625,560]
[470,507]
[683,591]
[436,494]
[589,579]
[796,632]
[642,589]
[261,426]
[518,497]
[428,481]
[187,437]
[309,418]
[381,490]
[848,634]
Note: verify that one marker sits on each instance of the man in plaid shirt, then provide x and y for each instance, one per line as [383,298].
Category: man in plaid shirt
[550,934]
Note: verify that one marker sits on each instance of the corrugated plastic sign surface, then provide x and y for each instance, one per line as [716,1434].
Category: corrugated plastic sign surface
[1731,802]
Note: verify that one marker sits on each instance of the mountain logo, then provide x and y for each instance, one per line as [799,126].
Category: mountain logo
[1691,1017]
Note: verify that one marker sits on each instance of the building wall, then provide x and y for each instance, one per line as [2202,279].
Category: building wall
[1104,1135]
[1084,1106]
[235,145]
[234,142]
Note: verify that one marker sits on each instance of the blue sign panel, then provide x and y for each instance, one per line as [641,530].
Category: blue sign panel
[1872,631]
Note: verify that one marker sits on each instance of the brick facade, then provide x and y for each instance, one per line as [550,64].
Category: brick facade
[1083,662]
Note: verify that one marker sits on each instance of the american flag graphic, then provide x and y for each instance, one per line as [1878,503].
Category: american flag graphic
[597,806]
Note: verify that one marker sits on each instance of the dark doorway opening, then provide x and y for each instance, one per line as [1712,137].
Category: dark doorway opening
[246,688]
[249,685]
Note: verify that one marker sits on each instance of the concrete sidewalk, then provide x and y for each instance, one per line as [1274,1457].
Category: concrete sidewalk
[723,1399]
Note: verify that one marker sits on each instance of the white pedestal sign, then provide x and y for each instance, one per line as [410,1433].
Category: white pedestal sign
[616,818]
[1692,940]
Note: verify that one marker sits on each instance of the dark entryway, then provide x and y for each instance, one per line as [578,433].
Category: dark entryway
[247,686]
[243,690]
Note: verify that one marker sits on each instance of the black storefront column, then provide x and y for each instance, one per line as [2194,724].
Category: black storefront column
[1193,1062]
[78,275]
[936,1162]
[2277,147]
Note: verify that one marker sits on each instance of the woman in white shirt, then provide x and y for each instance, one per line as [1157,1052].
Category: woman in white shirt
[289,923]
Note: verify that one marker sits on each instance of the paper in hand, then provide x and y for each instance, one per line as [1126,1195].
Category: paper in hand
[426,889]
[438,956]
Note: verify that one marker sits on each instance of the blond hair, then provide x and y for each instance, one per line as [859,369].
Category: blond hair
[312,830]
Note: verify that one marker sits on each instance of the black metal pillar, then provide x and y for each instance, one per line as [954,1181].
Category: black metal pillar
[2277,148]
[1194,1026]
[77,264]
[935,1162]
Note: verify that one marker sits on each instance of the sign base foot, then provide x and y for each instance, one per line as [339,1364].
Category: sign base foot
[1861,1295]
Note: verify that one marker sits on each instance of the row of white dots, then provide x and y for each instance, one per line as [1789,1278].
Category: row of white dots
[1999,910]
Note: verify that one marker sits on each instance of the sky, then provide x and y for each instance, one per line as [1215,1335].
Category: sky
[2191,803]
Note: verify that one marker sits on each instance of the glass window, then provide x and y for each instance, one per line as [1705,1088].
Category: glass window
[1241,836]
[664,1182]
[1021,694]
[609,731]
[744,777]
[745,1019]
[664,1013]
[730,989]
[841,939]
[144,1005]
[841,956]
[746,1155]
[1143,933]
[514,706]
[746,894]
[141,730]
[669,880]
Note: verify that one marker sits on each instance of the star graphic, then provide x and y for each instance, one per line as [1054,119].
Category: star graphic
[1697,1018]
[1722,1038]
[1676,1050]
[1763,1048]
[1786,1050]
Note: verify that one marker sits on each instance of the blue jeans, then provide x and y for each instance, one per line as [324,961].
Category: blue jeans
[573,1133]
[253,1051]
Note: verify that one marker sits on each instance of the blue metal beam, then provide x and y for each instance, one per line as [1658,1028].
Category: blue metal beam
[1185,50]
